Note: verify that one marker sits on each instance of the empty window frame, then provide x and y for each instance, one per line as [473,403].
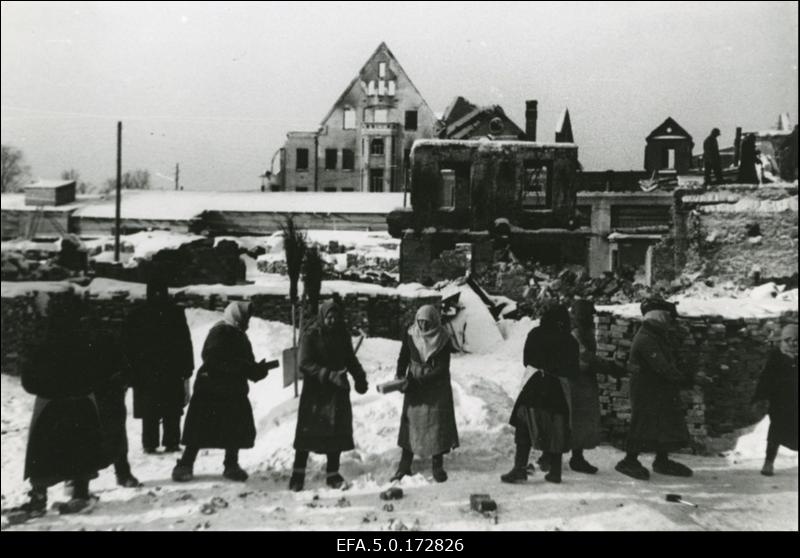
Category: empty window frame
[537,189]
[381,87]
[411,120]
[391,86]
[301,162]
[376,146]
[376,180]
[301,189]
[329,189]
[348,159]
[445,198]
[330,159]
[349,118]
[382,69]
[371,87]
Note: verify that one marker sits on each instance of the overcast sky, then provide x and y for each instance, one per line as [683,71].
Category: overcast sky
[216,86]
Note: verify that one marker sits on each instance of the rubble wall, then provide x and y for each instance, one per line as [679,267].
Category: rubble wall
[730,234]
[377,315]
[730,352]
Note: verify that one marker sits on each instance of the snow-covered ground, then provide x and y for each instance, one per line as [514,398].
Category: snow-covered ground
[730,492]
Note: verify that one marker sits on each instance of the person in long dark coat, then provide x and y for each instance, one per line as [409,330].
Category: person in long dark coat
[585,393]
[220,415]
[324,414]
[711,159]
[541,415]
[428,421]
[777,388]
[107,361]
[658,422]
[748,160]
[64,439]
[159,348]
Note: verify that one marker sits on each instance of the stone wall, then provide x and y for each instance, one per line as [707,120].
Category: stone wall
[377,315]
[728,352]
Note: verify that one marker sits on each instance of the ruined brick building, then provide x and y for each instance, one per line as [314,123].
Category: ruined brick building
[364,141]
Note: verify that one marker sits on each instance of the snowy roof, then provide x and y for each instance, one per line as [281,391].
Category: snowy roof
[16,202]
[182,205]
[49,184]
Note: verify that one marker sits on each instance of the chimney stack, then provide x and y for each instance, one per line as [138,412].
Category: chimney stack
[531,114]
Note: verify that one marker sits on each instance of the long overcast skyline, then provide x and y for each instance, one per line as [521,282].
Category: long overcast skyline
[216,86]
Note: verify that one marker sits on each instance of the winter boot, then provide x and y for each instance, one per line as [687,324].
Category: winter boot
[543,463]
[296,482]
[33,508]
[404,468]
[128,481]
[439,474]
[554,475]
[75,505]
[632,468]
[182,472]
[665,466]
[336,481]
[579,464]
[768,469]
[235,473]
[519,473]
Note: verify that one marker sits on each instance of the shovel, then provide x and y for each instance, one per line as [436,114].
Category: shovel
[678,499]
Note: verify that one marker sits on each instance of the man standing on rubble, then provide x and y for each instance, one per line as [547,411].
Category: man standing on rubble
[658,423]
[711,160]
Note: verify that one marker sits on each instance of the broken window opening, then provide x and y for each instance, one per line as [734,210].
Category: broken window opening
[301,159]
[411,120]
[391,88]
[446,196]
[380,116]
[348,159]
[537,190]
[381,88]
[753,230]
[376,180]
[330,159]
[329,189]
[371,87]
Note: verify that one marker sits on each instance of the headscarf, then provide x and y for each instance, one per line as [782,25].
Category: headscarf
[237,314]
[431,341]
[325,309]
[555,318]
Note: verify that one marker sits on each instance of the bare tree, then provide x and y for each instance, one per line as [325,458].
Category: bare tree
[138,179]
[72,174]
[15,171]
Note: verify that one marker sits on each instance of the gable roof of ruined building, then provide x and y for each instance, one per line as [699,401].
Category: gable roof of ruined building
[461,117]
[400,70]
[669,128]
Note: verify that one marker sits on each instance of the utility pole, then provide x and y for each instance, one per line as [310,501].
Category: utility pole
[177,175]
[119,192]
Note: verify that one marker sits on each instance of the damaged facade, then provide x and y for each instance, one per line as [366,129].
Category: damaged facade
[471,196]
[363,143]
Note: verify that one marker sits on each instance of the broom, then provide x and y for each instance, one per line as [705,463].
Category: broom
[294,244]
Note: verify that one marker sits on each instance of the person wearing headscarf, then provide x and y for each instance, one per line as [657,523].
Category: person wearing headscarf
[65,440]
[158,346]
[777,389]
[658,422]
[541,414]
[585,393]
[325,415]
[220,415]
[428,421]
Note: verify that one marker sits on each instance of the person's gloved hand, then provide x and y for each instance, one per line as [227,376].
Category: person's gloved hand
[261,370]
[362,386]
[412,385]
[339,379]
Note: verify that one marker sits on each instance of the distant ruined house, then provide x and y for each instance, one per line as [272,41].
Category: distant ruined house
[669,148]
[364,142]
